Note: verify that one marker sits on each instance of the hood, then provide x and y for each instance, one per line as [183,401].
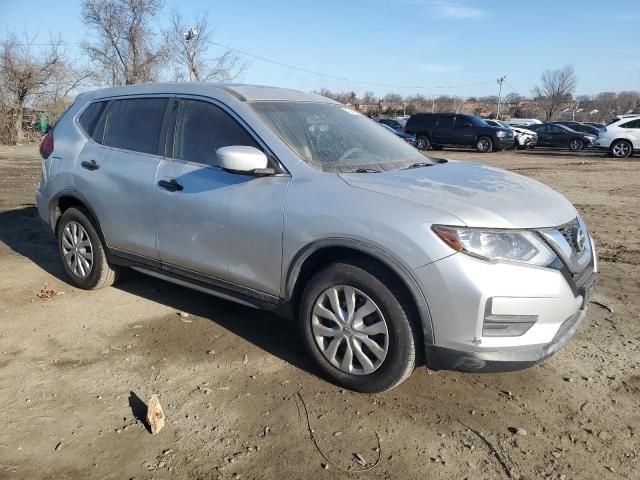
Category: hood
[523,131]
[479,195]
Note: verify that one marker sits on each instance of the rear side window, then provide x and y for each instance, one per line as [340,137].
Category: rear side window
[632,124]
[445,121]
[202,128]
[421,121]
[135,124]
[89,119]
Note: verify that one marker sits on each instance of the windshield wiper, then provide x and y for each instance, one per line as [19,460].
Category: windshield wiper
[367,170]
[418,165]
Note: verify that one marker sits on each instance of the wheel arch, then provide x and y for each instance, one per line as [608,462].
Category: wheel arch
[322,252]
[66,199]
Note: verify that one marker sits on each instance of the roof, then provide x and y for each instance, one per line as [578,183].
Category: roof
[243,92]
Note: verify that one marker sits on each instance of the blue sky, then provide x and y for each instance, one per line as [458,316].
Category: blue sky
[421,43]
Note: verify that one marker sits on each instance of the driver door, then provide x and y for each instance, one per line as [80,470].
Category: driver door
[216,226]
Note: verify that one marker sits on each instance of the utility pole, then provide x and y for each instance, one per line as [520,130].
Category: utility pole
[500,81]
[189,37]
[433,104]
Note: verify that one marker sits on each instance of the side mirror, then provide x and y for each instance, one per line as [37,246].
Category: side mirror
[243,160]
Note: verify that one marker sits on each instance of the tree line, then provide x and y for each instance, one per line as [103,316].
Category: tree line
[124,45]
[552,99]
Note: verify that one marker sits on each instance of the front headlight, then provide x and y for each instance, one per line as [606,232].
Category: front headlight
[512,245]
[501,133]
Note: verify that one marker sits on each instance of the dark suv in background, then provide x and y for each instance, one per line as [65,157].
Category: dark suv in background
[436,130]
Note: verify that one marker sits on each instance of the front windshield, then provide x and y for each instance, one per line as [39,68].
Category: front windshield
[335,138]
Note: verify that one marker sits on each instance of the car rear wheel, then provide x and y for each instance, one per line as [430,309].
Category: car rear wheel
[621,149]
[576,144]
[82,252]
[356,328]
[484,145]
[422,142]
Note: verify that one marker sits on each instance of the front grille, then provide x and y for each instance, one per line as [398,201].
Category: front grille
[570,232]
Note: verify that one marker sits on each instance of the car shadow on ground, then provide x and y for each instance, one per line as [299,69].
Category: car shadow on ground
[24,233]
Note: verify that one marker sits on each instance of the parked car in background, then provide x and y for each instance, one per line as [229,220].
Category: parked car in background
[436,130]
[394,123]
[407,137]
[555,135]
[289,201]
[403,117]
[524,138]
[579,127]
[523,122]
[621,136]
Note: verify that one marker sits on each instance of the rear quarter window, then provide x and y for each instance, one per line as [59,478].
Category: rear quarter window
[135,124]
[89,120]
[632,124]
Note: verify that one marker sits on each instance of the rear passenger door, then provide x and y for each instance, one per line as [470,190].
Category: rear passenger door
[116,171]
[632,129]
[218,227]
[443,133]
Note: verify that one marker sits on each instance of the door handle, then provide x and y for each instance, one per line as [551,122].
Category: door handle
[90,165]
[171,185]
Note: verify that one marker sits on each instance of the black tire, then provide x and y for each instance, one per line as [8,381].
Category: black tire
[375,283]
[423,142]
[484,144]
[100,274]
[576,144]
[436,147]
[621,149]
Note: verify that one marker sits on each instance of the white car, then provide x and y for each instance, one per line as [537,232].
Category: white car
[621,136]
[524,138]
[524,122]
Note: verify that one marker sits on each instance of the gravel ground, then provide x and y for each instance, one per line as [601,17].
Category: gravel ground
[76,369]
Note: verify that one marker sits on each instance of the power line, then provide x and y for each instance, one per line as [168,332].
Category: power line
[305,70]
[363,82]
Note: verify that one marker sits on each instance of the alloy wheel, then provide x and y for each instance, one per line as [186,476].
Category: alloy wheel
[484,145]
[576,144]
[77,249]
[350,330]
[621,150]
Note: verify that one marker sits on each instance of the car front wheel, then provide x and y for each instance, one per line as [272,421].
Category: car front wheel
[621,149]
[356,328]
[484,145]
[82,252]
[576,144]
[422,142]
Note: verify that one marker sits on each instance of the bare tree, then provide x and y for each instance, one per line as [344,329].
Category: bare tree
[555,90]
[127,49]
[25,73]
[189,46]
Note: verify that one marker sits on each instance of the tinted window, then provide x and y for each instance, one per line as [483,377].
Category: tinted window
[135,124]
[203,128]
[555,129]
[445,121]
[89,120]
[633,124]
[535,128]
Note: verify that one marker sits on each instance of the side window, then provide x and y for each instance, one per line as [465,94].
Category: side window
[89,120]
[632,124]
[445,121]
[554,129]
[135,124]
[202,128]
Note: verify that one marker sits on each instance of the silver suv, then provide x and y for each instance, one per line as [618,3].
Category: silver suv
[290,201]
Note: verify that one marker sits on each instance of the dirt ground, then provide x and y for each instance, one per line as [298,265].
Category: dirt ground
[76,370]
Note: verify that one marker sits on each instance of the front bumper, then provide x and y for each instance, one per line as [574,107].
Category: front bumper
[465,295]
[503,142]
[502,360]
